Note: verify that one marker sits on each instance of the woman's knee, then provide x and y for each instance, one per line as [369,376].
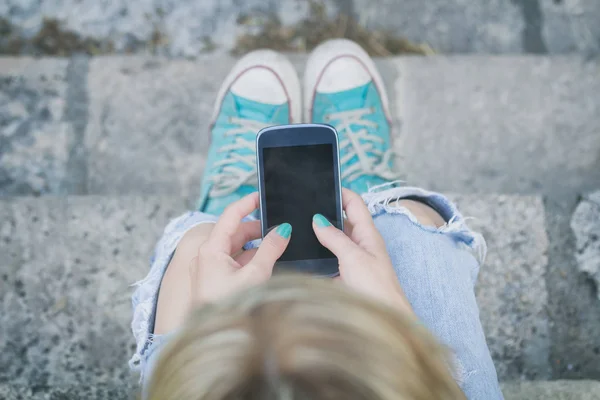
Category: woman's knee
[426,215]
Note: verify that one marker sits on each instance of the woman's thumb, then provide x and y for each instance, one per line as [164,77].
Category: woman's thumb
[272,247]
[332,238]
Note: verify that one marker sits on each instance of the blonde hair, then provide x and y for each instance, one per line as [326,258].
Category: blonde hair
[300,338]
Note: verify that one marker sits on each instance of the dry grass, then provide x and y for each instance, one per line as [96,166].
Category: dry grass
[52,39]
[315,29]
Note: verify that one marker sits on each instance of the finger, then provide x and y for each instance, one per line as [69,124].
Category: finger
[246,232]
[364,231]
[348,227]
[334,239]
[230,220]
[269,251]
[355,208]
[245,257]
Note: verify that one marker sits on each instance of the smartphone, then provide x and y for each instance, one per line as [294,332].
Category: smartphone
[298,177]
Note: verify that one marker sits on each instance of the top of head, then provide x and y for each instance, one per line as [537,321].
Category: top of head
[302,338]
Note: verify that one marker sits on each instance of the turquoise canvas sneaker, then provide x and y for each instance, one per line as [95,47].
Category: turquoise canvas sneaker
[262,90]
[343,88]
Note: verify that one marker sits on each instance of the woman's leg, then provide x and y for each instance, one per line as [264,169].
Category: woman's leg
[175,296]
[261,90]
[437,258]
[424,214]
[435,265]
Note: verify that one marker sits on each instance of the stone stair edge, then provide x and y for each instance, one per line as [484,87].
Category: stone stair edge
[185,204]
[299,56]
[58,197]
[513,390]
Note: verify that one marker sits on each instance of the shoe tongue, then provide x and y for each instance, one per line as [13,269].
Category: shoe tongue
[216,205]
[252,110]
[349,99]
[352,99]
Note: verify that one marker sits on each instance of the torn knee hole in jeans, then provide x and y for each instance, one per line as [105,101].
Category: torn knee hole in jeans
[384,199]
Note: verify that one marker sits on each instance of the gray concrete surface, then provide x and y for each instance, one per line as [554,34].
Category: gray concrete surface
[34,133]
[511,291]
[586,227]
[515,125]
[65,305]
[556,390]
[572,296]
[539,115]
[493,26]
[70,392]
[524,125]
[65,301]
[500,124]
[556,18]
[154,107]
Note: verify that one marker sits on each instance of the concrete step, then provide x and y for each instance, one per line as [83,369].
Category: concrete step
[132,125]
[471,124]
[556,390]
[67,262]
[553,390]
[190,27]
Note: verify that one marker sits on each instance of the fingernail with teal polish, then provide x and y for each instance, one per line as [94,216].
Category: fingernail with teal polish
[321,221]
[284,230]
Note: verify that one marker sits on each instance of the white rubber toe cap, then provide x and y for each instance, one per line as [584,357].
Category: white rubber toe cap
[260,84]
[264,76]
[342,74]
[339,65]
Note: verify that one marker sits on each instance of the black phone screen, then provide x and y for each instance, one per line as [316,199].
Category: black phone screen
[299,182]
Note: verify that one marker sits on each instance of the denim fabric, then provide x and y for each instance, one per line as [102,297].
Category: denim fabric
[437,269]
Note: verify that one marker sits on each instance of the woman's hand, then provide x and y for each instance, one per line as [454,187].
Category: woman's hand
[364,262]
[220,269]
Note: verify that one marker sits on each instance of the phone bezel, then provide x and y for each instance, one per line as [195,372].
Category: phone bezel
[301,135]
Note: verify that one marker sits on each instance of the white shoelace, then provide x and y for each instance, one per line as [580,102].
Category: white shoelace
[361,144]
[231,176]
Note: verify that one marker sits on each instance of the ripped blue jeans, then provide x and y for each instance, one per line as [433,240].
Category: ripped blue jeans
[437,269]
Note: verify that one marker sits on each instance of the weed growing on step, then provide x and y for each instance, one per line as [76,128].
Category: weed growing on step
[52,39]
[315,29]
